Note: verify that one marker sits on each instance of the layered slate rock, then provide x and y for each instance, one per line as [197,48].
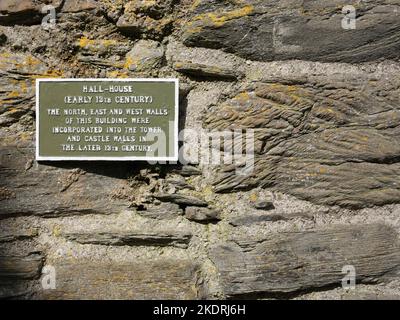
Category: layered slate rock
[38,189]
[103,52]
[206,71]
[29,12]
[21,267]
[164,210]
[202,215]
[73,6]
[177,183]
[14,235]
[145,56]
[187,171]
[18,72]
[307,30]
[131,238]
[295,261]
[181,199]
[246,220]
[149,19]
[18,273]
[330,141]
[147,279]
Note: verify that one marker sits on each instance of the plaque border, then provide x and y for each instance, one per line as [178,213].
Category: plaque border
[174,157]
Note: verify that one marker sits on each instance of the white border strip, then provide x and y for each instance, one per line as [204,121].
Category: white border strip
[172,158]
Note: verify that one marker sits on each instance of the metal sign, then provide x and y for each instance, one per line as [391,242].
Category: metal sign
[107,119]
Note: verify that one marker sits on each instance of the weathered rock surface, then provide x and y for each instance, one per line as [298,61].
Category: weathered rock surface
[290,262]
[20,267]
[245,220]
[15,290]
[102,47]
[103,52]
[17,82]
[275,30]
[148,19]
[309,139]
[19,272]
[181,199]
[79,5]
[14,235]
[187,171]
[154,279]
[131,238]
[146,55]
[164,210]
[177,183]
[203,70]
[50,191]
[203,215]
[265,204]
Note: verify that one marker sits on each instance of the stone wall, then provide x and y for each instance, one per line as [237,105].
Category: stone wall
[323,103]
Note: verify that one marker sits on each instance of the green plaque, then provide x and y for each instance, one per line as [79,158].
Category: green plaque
[107,119]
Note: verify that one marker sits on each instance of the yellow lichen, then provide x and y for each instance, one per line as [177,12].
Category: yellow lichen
[129,62]
[51,73]
[243,96]
[13,94]
[26,136]
[207,191]
[86,43]
[253,197]
[178,64]
[117,74]
[30,61]
[56,230]
[322,170]
[83,42]
[218,19]
[195,4]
